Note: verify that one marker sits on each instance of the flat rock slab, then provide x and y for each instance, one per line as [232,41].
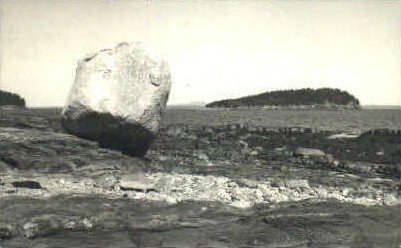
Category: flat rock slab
[38,151]
[102,222]
[235,203]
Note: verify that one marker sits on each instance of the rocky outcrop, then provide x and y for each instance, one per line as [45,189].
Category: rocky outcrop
[118,98]
[201,185]
[37,151]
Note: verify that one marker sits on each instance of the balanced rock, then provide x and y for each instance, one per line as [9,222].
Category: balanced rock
[118,98]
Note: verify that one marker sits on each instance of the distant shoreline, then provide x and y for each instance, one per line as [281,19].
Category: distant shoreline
[305,98]
[395,107]
[183,106]
[362,107]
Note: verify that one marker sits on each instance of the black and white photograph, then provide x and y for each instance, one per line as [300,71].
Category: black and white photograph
[190,123]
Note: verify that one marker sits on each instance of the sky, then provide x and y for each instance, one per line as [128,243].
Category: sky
[215,49]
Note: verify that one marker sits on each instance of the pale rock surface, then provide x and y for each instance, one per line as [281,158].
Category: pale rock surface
[41,226]
[308,152]
[297,184]
[343,136]
[118,98]
[137,182]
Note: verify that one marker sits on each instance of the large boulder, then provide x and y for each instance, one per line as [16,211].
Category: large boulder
[118,98]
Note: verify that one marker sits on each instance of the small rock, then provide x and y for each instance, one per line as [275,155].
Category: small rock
[242,125]
[243,143]
[258,148]
[137,183]
[283,168]
[5,231]
[391,199]
[345,191]
[27,184]
[87,223]
[297,184]
[41,226]
[252,129]
[336,162]
[321,192]
[208,130]
[232,184]
[309,152]
[201,155]
[254,153]
[280,149]
[279,198]
[277,184]
[192,137]
[232,127]
[171,200]
[364,167]
[163,158]
[245,136]
[241,204]
[246,150]
[174,131]
[71,224]
[10,191]
[204,141]
[329,158]
[343,136]
[248,183]
[30,229]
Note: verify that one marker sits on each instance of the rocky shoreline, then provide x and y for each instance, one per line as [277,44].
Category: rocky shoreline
[193,178]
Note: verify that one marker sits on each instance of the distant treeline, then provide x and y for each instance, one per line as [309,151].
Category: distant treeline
[7,98]
[292,98]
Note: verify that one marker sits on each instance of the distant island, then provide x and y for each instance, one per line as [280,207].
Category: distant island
[323,98]
[11,100]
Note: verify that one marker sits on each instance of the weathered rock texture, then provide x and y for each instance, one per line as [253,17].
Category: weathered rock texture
[230,185]
[118,98]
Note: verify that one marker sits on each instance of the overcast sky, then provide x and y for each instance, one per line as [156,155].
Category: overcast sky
[215,49]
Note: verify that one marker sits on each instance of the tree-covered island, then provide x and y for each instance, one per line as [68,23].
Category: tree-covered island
[322,98]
